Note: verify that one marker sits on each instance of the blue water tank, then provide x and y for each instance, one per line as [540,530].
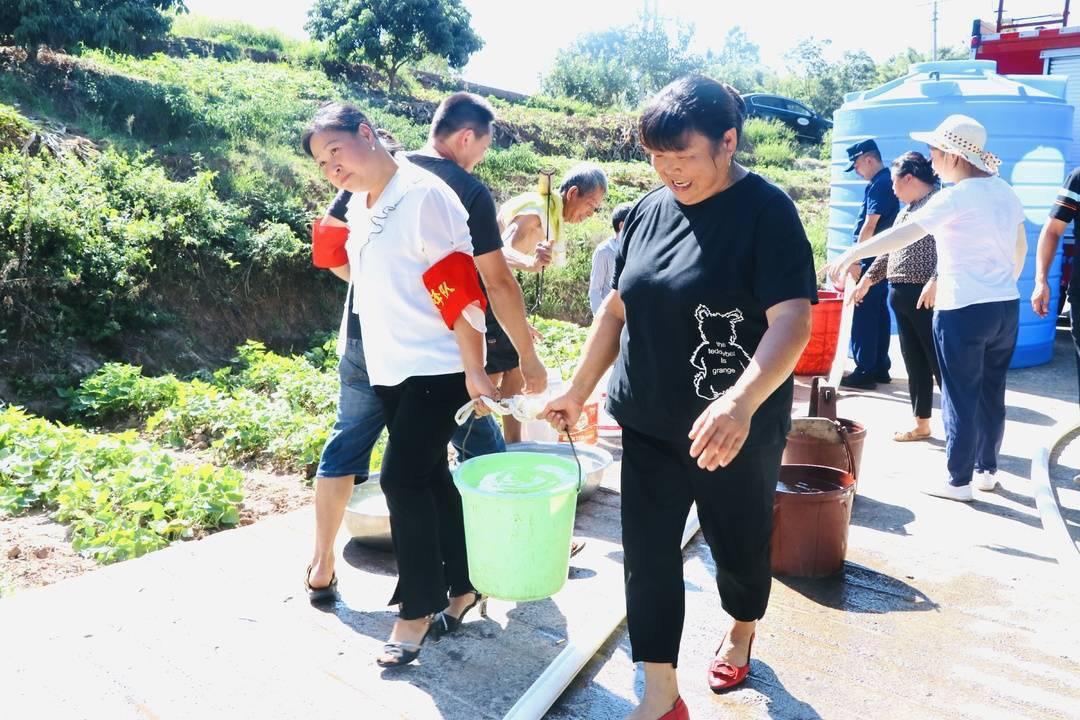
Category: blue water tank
[1029,126]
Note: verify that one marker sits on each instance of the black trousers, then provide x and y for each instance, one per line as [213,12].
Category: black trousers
[916,329]
[735,504]
[425,508]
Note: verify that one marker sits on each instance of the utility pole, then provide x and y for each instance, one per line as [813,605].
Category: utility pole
[933,52]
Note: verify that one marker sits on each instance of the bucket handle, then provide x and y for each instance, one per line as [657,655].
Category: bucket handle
[507,407]
[843,432]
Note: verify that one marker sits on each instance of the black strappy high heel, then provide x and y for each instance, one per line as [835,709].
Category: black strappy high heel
[403,653]
[445,623]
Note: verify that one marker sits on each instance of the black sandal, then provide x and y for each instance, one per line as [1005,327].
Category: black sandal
[320,595]
[445,623]
[576,546]
[403,653]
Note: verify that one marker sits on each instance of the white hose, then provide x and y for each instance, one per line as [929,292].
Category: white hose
[836,373]
[543,693]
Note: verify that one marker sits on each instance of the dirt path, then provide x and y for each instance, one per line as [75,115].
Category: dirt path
[35,550]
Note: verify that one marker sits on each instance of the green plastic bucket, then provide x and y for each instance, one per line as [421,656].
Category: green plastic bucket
[519,515]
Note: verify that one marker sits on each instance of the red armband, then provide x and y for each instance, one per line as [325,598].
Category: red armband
[328,245]
[453,285]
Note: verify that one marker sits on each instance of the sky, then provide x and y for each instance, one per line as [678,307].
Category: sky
[520,44]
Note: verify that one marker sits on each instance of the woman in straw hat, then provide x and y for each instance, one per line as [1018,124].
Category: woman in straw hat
[978,223]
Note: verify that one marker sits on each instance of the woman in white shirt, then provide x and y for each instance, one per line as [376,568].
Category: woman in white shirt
[409,256]
[978,223]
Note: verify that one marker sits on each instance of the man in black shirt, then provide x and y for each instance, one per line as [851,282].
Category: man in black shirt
[461,133]
[1066,209]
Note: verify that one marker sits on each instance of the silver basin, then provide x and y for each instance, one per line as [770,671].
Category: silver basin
[594,461]
[368,519]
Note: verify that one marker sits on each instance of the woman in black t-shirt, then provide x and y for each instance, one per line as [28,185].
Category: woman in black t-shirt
[709,313]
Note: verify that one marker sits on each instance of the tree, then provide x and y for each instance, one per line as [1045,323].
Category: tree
[623,65]
[821,83]
[390,33]
[738,62]
[62,24]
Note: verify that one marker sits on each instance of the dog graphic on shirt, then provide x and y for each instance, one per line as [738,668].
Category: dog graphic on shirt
[719,359]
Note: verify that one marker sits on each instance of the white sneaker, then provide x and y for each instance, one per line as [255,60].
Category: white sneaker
[984,481]
[948,491]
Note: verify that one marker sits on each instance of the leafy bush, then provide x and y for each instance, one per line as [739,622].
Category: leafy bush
[562,343]
[14,128]
[98,232]
[761,131]
[775,154]
[118,390]
[266,407]
[121,496]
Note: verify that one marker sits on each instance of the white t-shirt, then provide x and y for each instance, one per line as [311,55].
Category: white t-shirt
[974,223]
[603,270]
[416,221]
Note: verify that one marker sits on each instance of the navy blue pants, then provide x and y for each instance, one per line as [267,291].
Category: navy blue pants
[974,346]
[870,331]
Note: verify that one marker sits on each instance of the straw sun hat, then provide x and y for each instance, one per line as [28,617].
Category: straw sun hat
[963,136]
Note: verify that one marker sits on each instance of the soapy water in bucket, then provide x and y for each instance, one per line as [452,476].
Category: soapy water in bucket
[525,478]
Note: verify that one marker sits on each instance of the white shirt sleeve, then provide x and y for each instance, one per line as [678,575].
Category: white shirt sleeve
[444,225]
[444,229]
[603,269]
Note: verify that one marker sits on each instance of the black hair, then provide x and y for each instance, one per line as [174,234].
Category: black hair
[689,104]
[334,116]
[874,154]
[618,215]
[914,163]
[462,110]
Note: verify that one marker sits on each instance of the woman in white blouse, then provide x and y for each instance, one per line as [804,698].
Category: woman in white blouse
[978,223]
[415,289]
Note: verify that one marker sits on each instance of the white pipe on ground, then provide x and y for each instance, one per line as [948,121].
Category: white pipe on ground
[543,693]
[1046,502]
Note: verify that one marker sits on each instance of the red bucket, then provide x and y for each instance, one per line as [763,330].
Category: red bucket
[817,358]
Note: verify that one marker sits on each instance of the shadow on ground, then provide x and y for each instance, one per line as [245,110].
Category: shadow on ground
[876,515]
[862,590]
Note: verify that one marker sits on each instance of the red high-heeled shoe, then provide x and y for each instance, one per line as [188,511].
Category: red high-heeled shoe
[679,712]
[724,676]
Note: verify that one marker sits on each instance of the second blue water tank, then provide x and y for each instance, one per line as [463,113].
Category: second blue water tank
[1029,126]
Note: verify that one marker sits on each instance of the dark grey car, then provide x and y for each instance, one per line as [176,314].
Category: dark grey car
[806,123]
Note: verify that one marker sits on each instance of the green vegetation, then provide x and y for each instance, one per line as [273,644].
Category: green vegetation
[562,343]
[230,32]
[118,24]
[121,496]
